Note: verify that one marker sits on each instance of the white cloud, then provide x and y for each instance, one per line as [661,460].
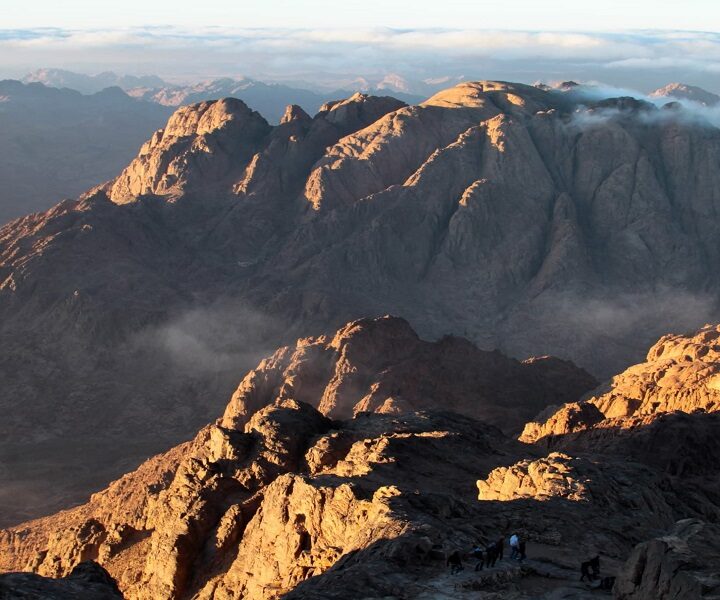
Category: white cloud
[420,53]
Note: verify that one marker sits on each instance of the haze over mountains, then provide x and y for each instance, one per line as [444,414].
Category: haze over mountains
[384,300]
[57,143]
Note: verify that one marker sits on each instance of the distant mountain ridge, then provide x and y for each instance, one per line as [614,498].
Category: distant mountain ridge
[90,84]
[270,100]
[56,143]
[683,91]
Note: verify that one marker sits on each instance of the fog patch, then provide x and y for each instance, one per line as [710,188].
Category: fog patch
[215,338]
[650,110]
[619,316]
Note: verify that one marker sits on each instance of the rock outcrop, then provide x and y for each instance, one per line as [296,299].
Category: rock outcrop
[276,499]
[681,564]
[381,365]
[680,373]
[87,581]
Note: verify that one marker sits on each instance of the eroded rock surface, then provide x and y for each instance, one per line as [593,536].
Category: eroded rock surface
[681,564]
[381,365]
[277,499]
[680,373]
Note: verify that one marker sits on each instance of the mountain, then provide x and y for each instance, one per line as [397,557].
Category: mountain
[270,100]
[57,143]
[279,499]
[90,84]
[537,222]
[681,91]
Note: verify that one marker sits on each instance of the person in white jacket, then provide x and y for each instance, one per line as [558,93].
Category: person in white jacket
[514,546]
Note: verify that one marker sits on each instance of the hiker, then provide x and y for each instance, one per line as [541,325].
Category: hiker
[521,549]
[491,554]
[500,548]
[477,553]
[590,569]
[455,563]
[514,546]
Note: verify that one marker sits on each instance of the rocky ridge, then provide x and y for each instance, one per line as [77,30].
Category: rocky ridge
[276,499]
[680,373]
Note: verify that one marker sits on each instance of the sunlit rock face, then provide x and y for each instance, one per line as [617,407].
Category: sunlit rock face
[681,91]
[680,373]
[381,365]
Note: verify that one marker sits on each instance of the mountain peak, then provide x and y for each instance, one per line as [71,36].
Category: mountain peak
[683,91]
[294,113]
[210,137]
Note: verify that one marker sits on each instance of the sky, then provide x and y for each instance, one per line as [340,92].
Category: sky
[564,15]
[629,43]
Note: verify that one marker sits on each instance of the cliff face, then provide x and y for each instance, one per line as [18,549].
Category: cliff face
[536,222]
[381,365]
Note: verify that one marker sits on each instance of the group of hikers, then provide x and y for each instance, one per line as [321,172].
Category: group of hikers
[490,554]
[494,551]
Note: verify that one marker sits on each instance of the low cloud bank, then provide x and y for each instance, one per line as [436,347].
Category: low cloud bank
[326,56]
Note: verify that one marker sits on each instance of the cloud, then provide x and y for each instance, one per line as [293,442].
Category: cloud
[224,336]
[281,53]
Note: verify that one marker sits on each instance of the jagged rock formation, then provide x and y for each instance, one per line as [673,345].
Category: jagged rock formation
[58,143]
[680,373]
[381,365]
[276,499]
[200,519]
[681,564]
[511,215]
[87,581]
[682,91]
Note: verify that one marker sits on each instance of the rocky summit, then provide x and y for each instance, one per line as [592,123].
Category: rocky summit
[530,220]
[345,468]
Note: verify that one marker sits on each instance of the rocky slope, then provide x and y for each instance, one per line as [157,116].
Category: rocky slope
[277,499]
[681,564]
[56,143]
[382,366]
[534,221]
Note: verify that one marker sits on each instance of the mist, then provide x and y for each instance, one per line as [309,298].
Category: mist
[226,335]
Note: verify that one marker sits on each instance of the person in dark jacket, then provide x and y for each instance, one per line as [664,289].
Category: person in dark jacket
[455,562]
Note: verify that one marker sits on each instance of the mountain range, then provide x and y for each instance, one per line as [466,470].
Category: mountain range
[533,221]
